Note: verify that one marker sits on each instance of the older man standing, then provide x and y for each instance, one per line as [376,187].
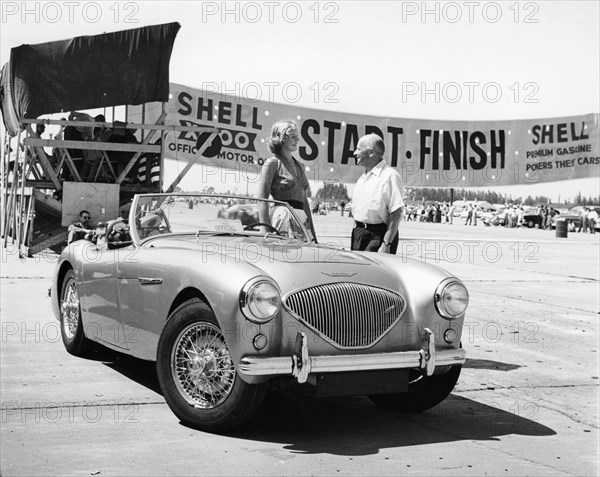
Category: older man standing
[377,202]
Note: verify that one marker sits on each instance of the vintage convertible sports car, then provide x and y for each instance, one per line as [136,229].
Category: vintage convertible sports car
[228,309]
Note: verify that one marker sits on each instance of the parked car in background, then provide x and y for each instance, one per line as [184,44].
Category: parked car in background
[228,306]
[490,215]
[499,217]
[595,223]
[531,217]
[572,217]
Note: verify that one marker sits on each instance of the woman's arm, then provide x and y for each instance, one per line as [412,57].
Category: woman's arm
[310,219]
[264,188]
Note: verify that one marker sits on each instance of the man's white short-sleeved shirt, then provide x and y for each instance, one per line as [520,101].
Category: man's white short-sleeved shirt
[377,194]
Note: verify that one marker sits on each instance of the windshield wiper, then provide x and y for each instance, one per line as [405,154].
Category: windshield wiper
[217,233]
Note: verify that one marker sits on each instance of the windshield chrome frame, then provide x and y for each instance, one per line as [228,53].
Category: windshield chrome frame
[136,199]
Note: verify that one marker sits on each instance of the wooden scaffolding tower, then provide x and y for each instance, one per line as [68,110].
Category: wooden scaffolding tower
[28,178]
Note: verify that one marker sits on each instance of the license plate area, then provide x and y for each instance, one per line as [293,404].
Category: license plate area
[357,383]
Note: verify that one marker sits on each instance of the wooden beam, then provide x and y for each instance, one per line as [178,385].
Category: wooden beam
[65,156]
[105,159]
[40,154]
[191,162]
[49,202]
[40,184]
[92,145]
[28,230]
[160,127]
[42,159]
[12,202]
[53,240]
[163,136]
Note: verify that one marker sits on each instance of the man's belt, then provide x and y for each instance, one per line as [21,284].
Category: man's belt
[371,227]
[296,204]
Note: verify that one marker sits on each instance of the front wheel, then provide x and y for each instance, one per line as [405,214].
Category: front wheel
[197,374]
[424,392]
[71,328]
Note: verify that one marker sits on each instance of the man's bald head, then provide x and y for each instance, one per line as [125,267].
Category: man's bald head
[373,141]
[369,151]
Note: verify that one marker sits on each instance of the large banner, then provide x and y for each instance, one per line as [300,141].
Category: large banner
[427,153]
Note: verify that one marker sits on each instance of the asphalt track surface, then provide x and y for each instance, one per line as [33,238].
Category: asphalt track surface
[526,402]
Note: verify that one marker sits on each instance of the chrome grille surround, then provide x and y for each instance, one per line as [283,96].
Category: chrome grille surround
[347,315]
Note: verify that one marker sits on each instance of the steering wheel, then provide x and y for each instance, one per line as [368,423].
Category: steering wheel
[263,224]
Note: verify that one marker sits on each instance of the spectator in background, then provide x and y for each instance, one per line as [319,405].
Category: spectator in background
[520,213]
[79,132]
[101,133]
[82,229]
[592,218]
[512,217]
[451,212]
[315,207]
[553,213]
[469,220]
[430,213]
[584,220]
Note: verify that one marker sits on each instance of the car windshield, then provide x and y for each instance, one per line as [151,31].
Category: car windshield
[201,214]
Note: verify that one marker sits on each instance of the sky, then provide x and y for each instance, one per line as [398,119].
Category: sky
[363,57]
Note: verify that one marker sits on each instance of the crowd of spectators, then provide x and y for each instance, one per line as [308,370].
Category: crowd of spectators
[439,212]
[510,216]
[589,220]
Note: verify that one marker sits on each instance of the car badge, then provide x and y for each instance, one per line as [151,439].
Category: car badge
[339,274]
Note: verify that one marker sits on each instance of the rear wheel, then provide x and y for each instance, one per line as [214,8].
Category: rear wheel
[71,328]
[424,392]
[197,374]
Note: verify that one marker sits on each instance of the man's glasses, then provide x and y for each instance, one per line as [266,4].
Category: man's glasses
[85,217]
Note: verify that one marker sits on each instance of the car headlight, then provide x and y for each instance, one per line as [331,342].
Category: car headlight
[260,300]
[451,299]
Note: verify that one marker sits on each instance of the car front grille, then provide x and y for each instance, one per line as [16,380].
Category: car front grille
[349,315]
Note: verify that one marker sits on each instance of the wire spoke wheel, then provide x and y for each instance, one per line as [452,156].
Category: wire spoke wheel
[201,365]
[197,374]
[69,308]
[71,327]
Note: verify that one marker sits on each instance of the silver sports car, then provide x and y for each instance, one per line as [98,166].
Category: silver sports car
[228,306]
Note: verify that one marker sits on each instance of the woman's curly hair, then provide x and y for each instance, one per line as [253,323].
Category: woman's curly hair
[279,132]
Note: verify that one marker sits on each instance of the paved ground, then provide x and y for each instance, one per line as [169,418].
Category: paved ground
[526,402]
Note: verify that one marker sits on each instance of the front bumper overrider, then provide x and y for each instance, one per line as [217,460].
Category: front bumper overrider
[301,364]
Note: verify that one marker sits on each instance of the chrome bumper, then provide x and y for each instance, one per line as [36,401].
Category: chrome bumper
[300,364]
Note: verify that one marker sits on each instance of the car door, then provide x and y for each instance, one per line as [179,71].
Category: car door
[101,305]
[143,299]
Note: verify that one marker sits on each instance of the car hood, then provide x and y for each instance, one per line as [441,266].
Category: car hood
[297,265]
[258,250]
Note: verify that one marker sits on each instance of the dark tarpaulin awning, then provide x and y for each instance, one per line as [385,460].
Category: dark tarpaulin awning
[87,72]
